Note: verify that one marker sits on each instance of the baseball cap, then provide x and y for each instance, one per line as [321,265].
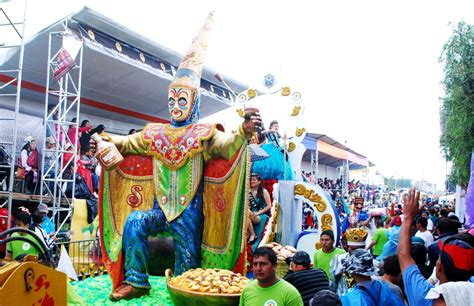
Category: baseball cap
[397,221]
[325,298]
[359,262]
[29,139]
[51,140]
[301,258]
[460,251]
[42,208]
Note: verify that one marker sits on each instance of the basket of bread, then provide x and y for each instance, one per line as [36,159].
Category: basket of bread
[206,287]
[283,252]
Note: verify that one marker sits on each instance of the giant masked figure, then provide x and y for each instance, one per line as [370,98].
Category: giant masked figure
[185,179]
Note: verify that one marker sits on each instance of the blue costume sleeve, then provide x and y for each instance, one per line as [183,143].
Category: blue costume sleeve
[345,224]
[346,207]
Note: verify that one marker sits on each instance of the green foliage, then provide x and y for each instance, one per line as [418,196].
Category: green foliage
[393,183]
[457,110]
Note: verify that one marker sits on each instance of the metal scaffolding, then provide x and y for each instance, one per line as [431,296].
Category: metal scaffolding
[62,103]
[17,29]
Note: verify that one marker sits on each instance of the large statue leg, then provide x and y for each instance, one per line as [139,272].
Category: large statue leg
[140,225]
[187,234]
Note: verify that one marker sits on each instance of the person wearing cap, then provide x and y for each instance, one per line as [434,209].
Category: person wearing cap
[367,291]
[267,288]
[18,248]
[28,164]
[47,224]
[306,279]
[325,298]
[340,281]
[453,269]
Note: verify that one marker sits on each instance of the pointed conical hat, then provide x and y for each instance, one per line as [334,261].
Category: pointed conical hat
[190,68]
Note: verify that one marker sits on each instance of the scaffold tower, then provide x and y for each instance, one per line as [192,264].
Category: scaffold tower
[62,105]
[13,31]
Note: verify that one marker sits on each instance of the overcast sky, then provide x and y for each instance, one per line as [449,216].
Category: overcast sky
[368,70]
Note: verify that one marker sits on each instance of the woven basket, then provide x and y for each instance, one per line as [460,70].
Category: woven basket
[282,268]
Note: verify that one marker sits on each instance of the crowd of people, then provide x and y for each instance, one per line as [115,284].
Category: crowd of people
[76,141]
[408,255]
[404,262]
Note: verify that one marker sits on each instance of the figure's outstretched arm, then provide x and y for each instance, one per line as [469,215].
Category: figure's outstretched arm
[225,145]
[130,144]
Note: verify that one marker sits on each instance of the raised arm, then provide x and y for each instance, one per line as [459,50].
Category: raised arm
[410,210]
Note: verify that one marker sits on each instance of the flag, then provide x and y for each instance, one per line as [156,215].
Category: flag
[65,59]
[65,264]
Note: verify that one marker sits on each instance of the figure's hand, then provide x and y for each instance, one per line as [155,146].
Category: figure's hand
[410,207]
[253,121]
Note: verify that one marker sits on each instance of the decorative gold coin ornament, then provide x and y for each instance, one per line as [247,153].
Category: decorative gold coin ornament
[251,93]
[291,146]
[299,131]
[91,34]
[240,112]
[118,46]
[285,91]
[296,111]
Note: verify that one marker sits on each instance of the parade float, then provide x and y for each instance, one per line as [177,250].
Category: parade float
[135,186]
[292,194]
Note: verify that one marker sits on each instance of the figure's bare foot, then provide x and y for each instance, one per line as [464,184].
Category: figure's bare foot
[127,292]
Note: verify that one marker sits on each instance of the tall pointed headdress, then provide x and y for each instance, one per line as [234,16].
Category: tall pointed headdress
[190,68]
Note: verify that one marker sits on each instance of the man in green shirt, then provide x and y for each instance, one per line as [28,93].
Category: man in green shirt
[268,289]
[323,257]
[378,239]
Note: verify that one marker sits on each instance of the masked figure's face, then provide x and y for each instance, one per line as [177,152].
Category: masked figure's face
[180,102]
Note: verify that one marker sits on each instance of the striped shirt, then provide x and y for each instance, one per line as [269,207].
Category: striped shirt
[308,282]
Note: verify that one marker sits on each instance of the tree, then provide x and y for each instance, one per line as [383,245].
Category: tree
[457,109]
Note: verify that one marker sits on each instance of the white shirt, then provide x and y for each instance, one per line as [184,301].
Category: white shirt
[24,158]
[430,225]
[426,236]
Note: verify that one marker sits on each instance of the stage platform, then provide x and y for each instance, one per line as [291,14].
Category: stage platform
[30,197]
[96,290]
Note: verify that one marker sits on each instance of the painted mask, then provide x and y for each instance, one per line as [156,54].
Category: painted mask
[181,103]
